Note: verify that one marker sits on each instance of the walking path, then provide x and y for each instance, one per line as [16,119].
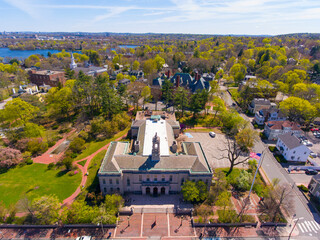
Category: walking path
[47,157]
[84,170]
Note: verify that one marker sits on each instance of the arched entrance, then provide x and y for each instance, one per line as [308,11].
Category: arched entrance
[163,191]
[148,191]
[155,191]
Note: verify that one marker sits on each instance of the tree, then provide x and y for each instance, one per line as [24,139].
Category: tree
[159,61]
[238,72]
[77,145]
[149,66]
[9,157]
[181,99]
[298,109]
[32,130]
[135,65]
[238,146]
[194,191]
[45,210]
[198,101]
[60,101]
[18,112]
[277,199]
[218,105]
[167,92]
[146,95]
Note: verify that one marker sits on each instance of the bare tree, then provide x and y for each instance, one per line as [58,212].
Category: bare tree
[277,201]
[238,147]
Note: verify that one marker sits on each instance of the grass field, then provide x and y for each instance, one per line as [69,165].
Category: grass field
[82,163]
[94,146]
[93,181]
[36,180]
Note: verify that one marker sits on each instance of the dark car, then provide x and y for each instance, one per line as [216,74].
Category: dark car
[311,172]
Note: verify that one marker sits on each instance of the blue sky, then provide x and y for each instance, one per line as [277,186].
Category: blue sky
[162,16]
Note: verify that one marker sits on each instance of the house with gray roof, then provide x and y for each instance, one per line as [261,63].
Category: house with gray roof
[258,104]
[154,162]
[314,186]
[292,148]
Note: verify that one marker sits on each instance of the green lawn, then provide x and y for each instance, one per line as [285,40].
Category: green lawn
[93,181]
[82,163]
[94,146]
[36,180]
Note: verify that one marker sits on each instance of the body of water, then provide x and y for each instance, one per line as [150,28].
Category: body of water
[22,54]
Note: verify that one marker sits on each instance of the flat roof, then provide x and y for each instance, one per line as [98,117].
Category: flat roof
[153,127]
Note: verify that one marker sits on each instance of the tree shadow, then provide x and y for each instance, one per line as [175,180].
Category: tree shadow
[62,173]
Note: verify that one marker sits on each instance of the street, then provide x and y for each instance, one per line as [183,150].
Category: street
[309,219]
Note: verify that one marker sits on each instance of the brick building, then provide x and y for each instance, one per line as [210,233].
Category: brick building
[47,77]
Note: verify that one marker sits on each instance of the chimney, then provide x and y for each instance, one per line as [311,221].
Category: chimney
[178,81]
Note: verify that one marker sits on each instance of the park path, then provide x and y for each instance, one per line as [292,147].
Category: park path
[84,170]
[47,158]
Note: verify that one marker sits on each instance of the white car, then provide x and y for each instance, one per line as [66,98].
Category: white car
[212,134]
[313,154]
[84,238]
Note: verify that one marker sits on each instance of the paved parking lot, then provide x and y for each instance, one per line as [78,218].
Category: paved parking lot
[214,149]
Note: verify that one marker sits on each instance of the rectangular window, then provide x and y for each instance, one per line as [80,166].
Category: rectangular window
[170,178]
[117,181]
[128,182]
[182,181]
[110,180]
[163,178]
[105,190]
[140,178]
[155,179]
[103,181]
[111,189]
[148,178]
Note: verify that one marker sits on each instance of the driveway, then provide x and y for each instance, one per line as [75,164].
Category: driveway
[213,149]
[4,102]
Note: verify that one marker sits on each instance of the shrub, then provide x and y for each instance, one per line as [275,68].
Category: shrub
[227,216]
[29,161]
[272,148]
[50,166]
[243,181]
[51,143]
[303,188]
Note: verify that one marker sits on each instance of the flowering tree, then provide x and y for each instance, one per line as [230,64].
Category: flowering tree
[9,157]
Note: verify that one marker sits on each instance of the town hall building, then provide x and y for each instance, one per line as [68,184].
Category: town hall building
[154,162]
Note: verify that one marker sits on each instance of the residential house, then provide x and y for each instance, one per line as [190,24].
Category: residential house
[258,104]
[273,129]
[292,148]
[265,115]
[314,186]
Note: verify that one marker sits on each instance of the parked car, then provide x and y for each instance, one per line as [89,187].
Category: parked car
[307,143]
[311,172]
[303,138]
[313,154]
[212,134]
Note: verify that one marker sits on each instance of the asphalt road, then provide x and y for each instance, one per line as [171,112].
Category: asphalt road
[309,220]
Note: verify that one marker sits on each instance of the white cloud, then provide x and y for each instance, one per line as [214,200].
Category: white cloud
[27,6]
